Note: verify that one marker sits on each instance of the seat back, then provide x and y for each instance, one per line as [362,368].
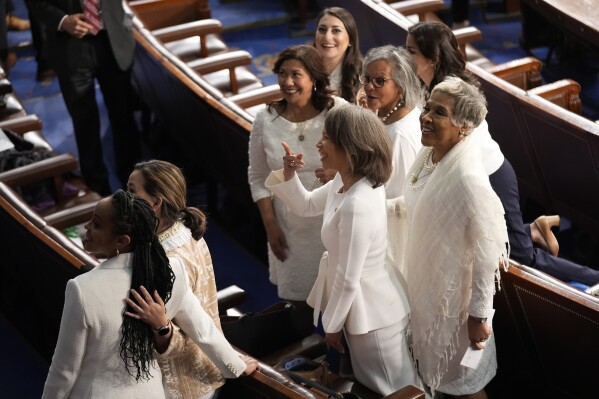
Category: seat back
[35,270]
[157,14]
[546,329]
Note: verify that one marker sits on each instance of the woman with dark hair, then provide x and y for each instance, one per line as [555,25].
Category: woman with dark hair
[187,372]
[354,291]
[436,53]
[103,353]
[336,40]
[392,89]
[298,118]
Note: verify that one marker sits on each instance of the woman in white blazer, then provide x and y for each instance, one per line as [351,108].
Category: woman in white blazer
[353,290]
[101,353]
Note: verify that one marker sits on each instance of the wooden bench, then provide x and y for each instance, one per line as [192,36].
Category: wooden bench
[545,332]
[35,270]
[183,25]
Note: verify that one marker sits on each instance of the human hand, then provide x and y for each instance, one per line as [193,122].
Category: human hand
[325,175]
[250,363]
[361,98]
[291,162]
[147,309]
[277,241]
[478,333]
[333,340]
[75,25]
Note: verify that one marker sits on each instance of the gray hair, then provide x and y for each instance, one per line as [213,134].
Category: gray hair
[364,138]
[469,103]
[403,71]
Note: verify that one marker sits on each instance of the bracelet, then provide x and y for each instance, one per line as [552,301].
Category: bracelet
[481,320]
[164,330]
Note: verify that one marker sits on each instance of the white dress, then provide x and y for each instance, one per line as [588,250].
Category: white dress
[354,291]
[405,135]
[296,275]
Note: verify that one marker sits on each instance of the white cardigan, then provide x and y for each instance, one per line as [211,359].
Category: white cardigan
[86,361]
[353,288]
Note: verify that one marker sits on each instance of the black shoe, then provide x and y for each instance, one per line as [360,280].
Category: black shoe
[44,75]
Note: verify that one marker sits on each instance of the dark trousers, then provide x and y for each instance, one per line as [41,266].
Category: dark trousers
[505,184]
[78,89]
[460,10]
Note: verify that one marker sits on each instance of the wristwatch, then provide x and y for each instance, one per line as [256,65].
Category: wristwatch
[162,331]
[481,320]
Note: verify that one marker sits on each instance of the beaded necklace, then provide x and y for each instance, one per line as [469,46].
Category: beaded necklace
[429,166]
[384,118]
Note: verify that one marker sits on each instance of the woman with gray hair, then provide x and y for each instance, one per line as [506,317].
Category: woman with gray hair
[353,290]
[392,88]
[456,242]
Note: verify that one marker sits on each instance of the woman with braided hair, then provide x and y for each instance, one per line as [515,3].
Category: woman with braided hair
[102,352]
[187,372]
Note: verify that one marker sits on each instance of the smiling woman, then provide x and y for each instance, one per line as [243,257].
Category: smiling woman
[336,40]
[293,242]
[353,291]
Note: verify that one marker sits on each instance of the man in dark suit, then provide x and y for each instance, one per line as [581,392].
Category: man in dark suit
[80,51]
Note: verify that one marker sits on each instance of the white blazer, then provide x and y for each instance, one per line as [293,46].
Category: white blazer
[353,288]
[86,361]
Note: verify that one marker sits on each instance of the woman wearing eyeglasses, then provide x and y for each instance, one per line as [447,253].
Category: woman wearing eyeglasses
[393,89]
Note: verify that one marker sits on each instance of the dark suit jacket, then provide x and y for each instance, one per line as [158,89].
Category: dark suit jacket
[64,50]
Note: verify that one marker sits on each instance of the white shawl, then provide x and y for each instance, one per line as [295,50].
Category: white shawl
[457,240]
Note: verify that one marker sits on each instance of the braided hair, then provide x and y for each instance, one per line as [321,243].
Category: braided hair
[133,216]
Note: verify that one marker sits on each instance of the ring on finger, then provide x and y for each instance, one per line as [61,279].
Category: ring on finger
[292,163]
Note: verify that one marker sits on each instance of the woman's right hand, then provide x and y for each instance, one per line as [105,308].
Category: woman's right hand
[251,364]
[277,241]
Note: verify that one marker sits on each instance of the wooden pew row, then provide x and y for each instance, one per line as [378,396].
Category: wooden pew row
[198,43]
[34,275]
[524,73]
[545,330]
[59,169]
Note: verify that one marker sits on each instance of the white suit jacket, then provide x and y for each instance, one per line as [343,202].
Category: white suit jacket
[353,288]
[86,361]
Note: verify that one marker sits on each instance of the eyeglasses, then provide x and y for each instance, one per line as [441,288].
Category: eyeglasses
[377,82]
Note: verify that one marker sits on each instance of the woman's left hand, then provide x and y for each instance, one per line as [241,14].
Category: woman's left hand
[333,340]
[147,309]
[478,333]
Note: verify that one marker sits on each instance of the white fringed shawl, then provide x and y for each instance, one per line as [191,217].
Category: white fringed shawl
[457,240]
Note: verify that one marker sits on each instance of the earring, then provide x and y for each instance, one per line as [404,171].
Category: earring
[314,87]
[117,252]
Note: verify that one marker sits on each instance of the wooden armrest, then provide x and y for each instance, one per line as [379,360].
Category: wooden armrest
[35,172]
[200,28]
[465,36]
[565,93]
[419,7]
[263,95]
[230,297]
[71,216]
[23,124]
[218,62]
[524,73]
[408,392]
